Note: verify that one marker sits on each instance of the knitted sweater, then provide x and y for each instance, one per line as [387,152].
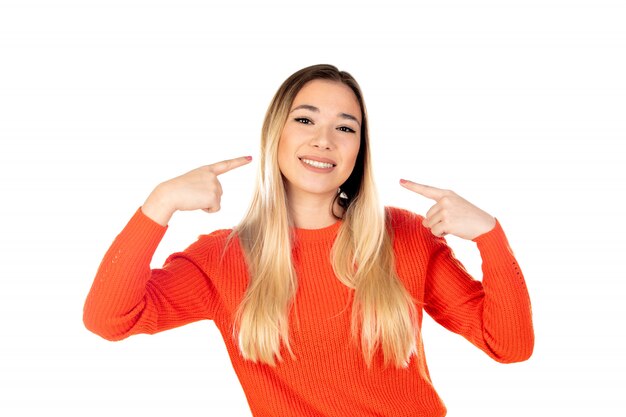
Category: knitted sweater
[329,377]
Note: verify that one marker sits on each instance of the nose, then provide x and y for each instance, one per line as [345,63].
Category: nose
[323,139]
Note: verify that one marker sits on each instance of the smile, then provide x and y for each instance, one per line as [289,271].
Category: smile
[317,164]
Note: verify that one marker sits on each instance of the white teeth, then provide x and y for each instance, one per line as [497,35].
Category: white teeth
[317,164]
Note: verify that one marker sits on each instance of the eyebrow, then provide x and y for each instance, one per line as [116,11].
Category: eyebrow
[315,109]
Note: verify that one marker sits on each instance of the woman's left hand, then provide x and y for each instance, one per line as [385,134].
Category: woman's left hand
[452,214]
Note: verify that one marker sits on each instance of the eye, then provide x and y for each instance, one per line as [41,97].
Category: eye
[302,120]
[348,129]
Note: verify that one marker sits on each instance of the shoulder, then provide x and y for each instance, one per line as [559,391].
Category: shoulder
[216,237]
[207,248]
[406,226]
[402,219]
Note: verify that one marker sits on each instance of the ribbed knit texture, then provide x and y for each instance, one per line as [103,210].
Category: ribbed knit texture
[329,377]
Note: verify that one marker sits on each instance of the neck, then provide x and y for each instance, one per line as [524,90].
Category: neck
[312,211]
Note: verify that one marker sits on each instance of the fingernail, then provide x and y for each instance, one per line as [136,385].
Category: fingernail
[402,181]
[249,158]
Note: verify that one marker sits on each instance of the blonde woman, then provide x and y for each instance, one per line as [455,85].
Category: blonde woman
[319,291]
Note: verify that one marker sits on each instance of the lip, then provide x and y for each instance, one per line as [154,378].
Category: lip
[318,159]
[316,169]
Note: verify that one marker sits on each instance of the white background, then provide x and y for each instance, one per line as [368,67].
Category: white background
[518,106]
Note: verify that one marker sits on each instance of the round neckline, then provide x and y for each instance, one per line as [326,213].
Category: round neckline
[317,234]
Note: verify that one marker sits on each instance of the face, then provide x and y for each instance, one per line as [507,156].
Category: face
[320,142]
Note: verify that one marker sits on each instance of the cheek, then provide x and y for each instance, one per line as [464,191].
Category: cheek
[354,152]
[284,151]
[284,142]
[350,156]
[281,157]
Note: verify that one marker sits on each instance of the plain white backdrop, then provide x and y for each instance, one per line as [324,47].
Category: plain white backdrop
[518,106]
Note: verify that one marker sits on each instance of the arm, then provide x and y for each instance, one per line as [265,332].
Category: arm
[127,297]
[495,314]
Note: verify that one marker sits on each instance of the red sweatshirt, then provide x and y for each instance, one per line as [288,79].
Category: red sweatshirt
[329,377]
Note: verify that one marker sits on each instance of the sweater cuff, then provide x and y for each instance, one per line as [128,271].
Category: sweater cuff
[143,232]
[493,241]
[147,221]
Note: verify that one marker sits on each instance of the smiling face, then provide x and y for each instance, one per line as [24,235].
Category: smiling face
[320,141]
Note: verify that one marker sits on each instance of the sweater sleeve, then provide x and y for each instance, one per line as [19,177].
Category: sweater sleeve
[128,297]
[495,314]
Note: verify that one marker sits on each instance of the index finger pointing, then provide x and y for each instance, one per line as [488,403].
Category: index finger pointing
[428,191]
[224,166]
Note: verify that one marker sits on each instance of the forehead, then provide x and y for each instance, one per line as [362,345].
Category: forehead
[330,96]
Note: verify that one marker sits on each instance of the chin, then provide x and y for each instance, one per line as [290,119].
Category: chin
[303,189]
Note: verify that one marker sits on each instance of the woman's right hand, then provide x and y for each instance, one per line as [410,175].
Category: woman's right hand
[197,189]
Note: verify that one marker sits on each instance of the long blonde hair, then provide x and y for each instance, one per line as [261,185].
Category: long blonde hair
[362,254]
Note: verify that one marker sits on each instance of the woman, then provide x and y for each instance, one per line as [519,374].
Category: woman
[319,291]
